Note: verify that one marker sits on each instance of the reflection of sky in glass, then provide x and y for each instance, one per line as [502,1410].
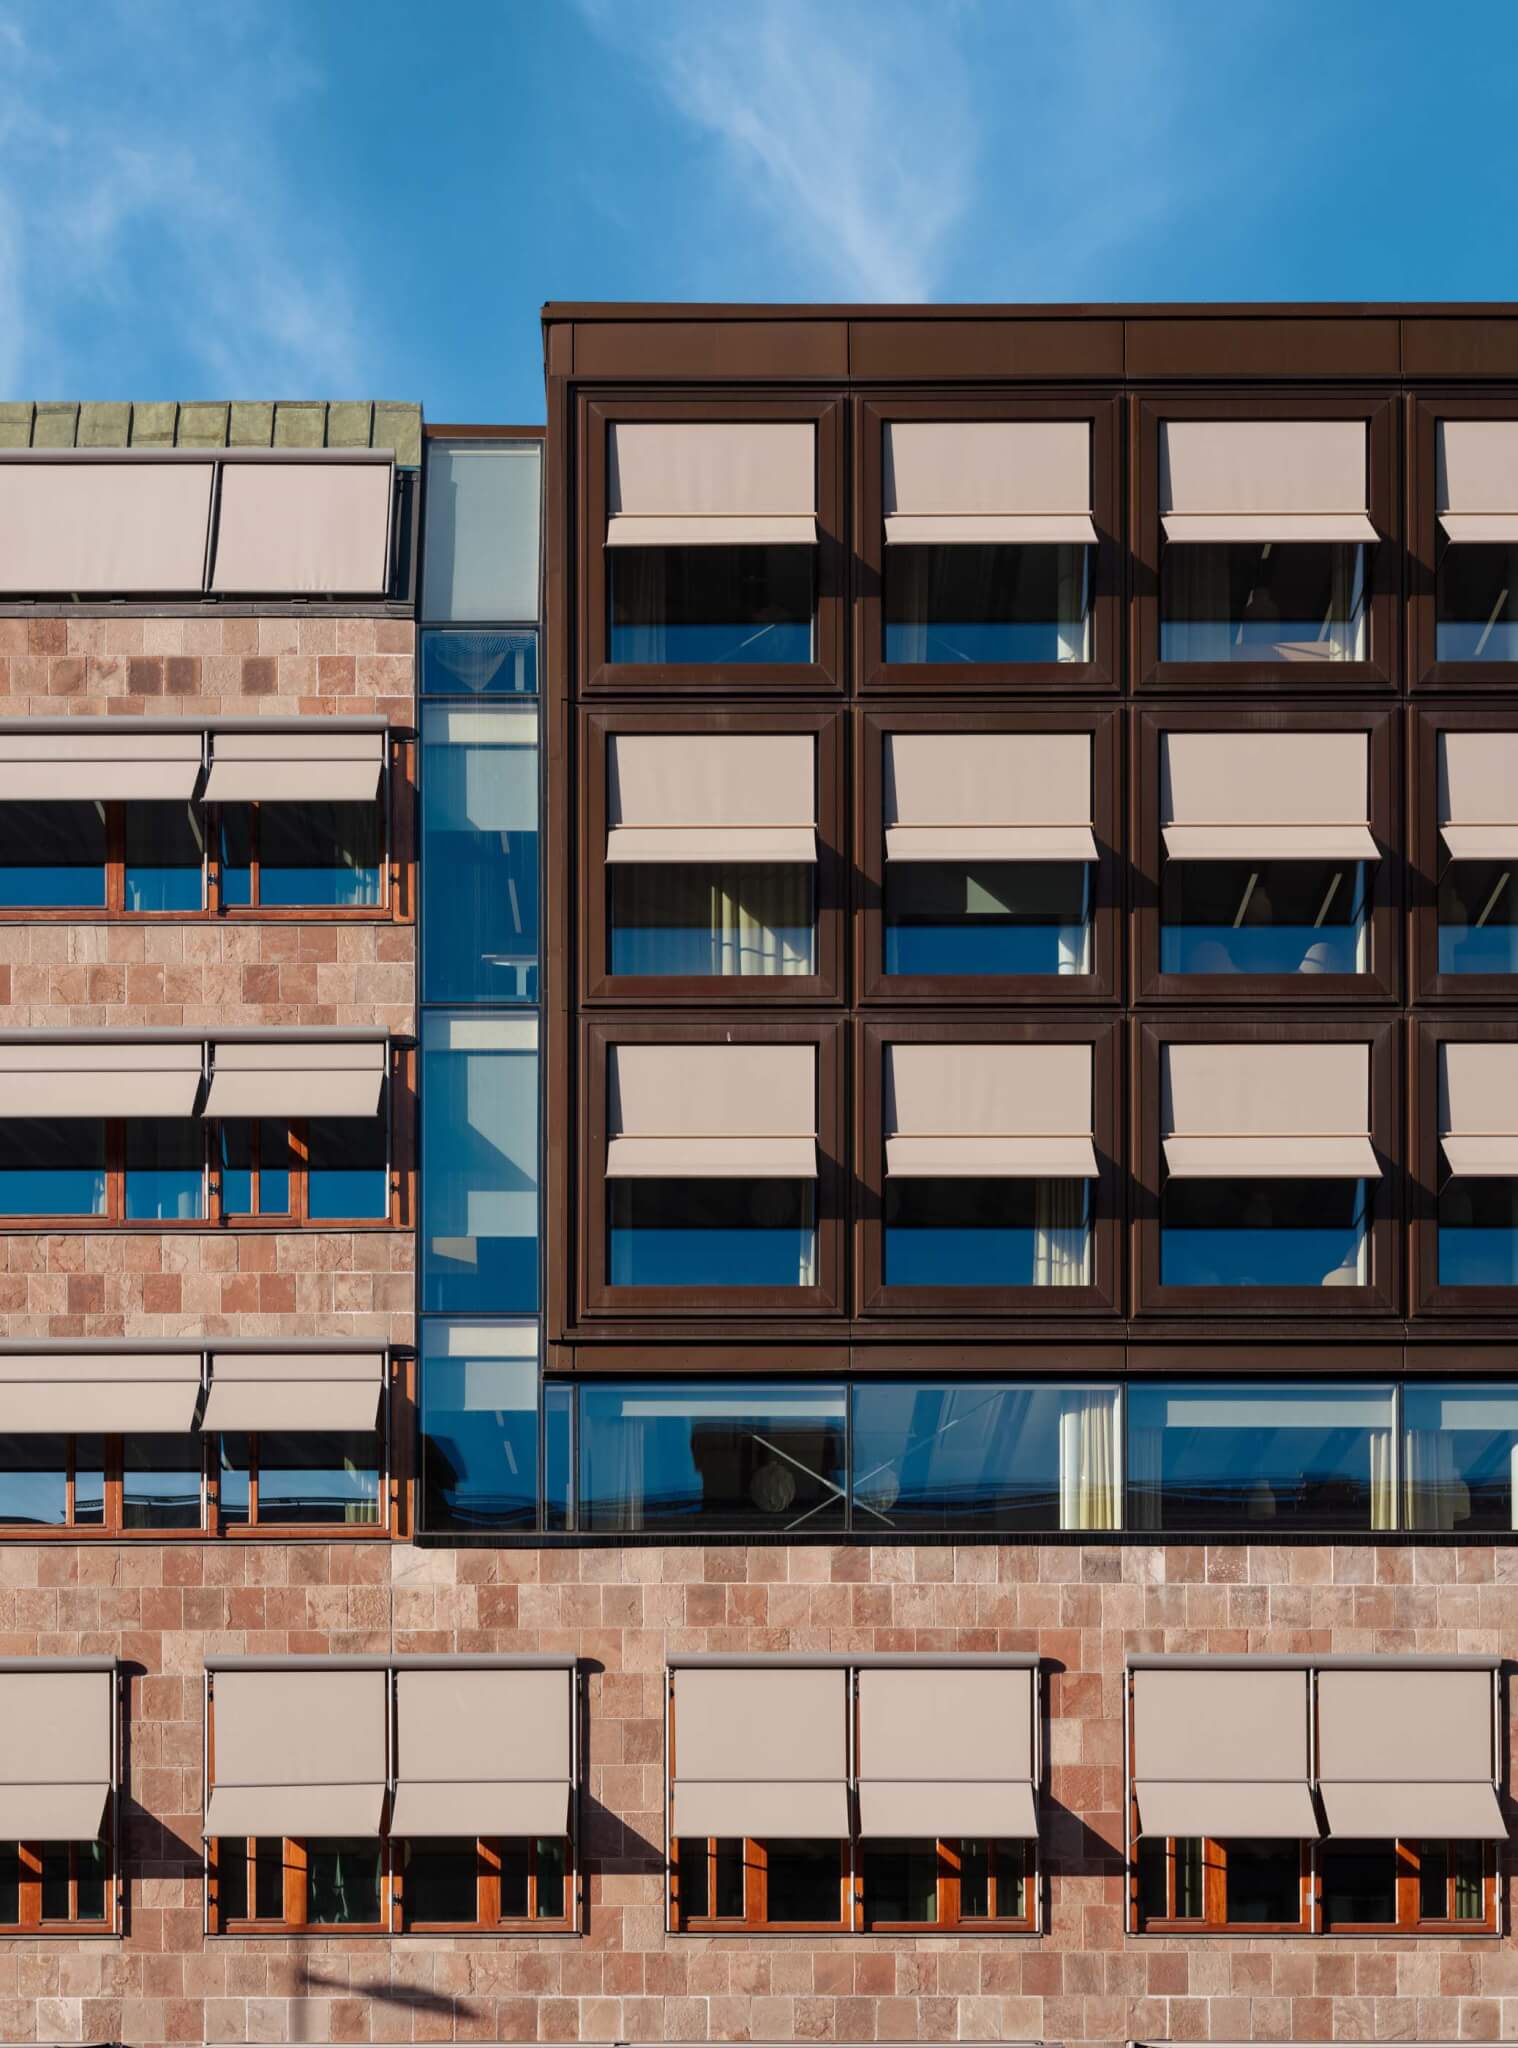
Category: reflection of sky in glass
[479,1394]
[479,1179]
[1217,1233]
[1461,1450]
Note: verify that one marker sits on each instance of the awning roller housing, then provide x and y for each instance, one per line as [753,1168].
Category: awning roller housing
[679,798]
[1478,1107]
[1265,796]
[987,482]
[712,1112]
[1282,1111]
[1264,480]
[989,1111]
[969,796]
[712,483]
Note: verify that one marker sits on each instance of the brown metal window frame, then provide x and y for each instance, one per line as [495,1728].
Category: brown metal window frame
[30,1919]
[1380,411]
[1383,982]
[1213,1918]
[1428,1171]
[1409,1918]
[1330,1306]
[600,1299]
[599,984]
[824,674]
[1103,672]
[1103,1297]
[1426,856]
[1425,671]
[872,724]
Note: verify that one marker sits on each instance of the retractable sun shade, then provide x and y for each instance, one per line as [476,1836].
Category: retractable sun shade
[712,1112]
[482,1752]
[947,1753]
[310,1077]
[988,796]
[298,1752]
[62,1392]
[688,797]
[992,1112]
[1265,796]
[113,528]
[711,483]
[1476,479]
[318,525]
[761,1753]
[1267,1112]
[952,482]
[1223,1752]
[295,1390]
[304,767]
[1264,480]
[99,1080]
[1409,1754]
[59,1758]
[1478,794]
[98,767]
[1478,1108]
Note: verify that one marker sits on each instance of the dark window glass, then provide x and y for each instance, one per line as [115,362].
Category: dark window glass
[1288,601]
[479,1427]
[989,917]
[237,855]
[163,857]
[1262,1882]
[52,1169]
[232,1878]
[238,1136]
[160,1482]
[321,1476]
[479,1178]
[1263,917]
[987,1233]
[90,1881]
[695,1886]
[479,854]
[55,1880]
[975,1882]
[1478,1232]
[1359,1883]
[669,1455]
[1188,1878]
[726,604]
[901,1881]
[1460,1439]
[34,1480]
[727,918]
[972,602]
[89,1480]
[1470,1865]
[1263,1233]
[347,1171]
[551,1863]
[52,856]
[441,1882]
[10,1884]
[342,1883]
[730,1864]
[1153,1877]
[712,1233]
[1433,1880]
[803,1881]
[558,1456]
[515,1872]
[165,1170]
[1477,617]
[269,1878]
[324,854]
[1478,918]
[479,664]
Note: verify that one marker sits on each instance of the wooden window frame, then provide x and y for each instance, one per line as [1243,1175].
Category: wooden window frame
[393,1918]
[1383,982]
[873,724]
[381,1530]
[1426,857]
[1409,1919]
[599,984]
[1331,1307]
[1103,1296]
[949,1920]
[488,1920]
[1428,1171]
[30,1921]
[296,1894]
[1214,1916]
[1103,672]
[1426,673]
[1380,411]
[111,1526]
[824,674]
[755,1916]
[600,1299]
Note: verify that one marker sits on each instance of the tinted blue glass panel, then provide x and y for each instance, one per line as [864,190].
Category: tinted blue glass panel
[52,856]
[479,1397]
[160,1482]
[1477,615]
[241,1194]
[558,1457]
[480,664]
[347,1174]
[720,919]
[711,1233]
[480,543]
[986,1233]
[479,1177]
[325,855]
[1272,601]
[684,1454]
[325,1477]
[1478,918]
[1263,917]
[52,1169]
[34,1480]
[165,1170]
[163,856]
[237,855]
[1460,1440]
[967,604]
[479,854]
[727,605]
[995,917]
[1262,1233]
[1478,1232]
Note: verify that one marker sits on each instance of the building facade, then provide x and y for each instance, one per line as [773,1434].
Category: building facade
[760,1180]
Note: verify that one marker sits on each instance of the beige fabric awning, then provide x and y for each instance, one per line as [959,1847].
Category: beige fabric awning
[481,1752]
[988,796]
[1231,1112]
[711,483]
[947,1752]
[1476,479]
[298,1753]
[58,1762]
[951,482]
[761,1753]
[1222,1753]
[107,1079]
[125,528]
[1478,1108]
[999,1112]
[317,525]
[295,1390]
[298,768]
[58,1392]
[1409,1753]
[685,797]
[1478,794]
[99,767]
[1266,796]
[712,1112]
[306,1077]
[1264,480]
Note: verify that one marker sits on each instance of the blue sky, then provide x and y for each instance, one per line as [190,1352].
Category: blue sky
[319,198]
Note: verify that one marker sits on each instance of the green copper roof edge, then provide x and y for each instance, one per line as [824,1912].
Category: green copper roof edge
[216,423]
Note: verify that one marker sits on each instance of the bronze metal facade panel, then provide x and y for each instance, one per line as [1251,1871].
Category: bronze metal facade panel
[1248,347]
[674,349]
[985,348]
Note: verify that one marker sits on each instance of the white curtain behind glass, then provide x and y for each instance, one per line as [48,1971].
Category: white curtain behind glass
[1088,1472]
[1061,1236]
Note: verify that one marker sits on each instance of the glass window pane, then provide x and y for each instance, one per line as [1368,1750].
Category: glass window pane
[493,664]
[712,1233]
[480,538]
[234,1476]
[1153,1875]
[1477,617]
[236,1145]
[900,1881]
[232,1877]
[52,856]
[549,1860]
[479,1178]
[479,900]
[441,1882]
[269,1878]
[1359,1883]
[34,1480]
[1433,1880]
[680,1455]
[273,1168]
[160,1482]
[1264,917]
[728,605]
[323,854]
[89,1480]
[728,1857]
[987,1233]
[163,856]
[1459,1451]
[515,1866]
[321,1476]
[347,1172]
[165,1169]
[1189,1904]
[1478,918]
[991,917]
[558,1456]
[1478,1232]
[89,1881]
[1470,1887]
[1263,1882]
[479,1399]
[975,1881]
[1242,1455]
[52,1169]
[1302,601]
[10,1883]
[716,919]
[1264,1233]
[987,603]
[237,855]
[695,1886]
[55,1880]
[804,1881]
[342,1883]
